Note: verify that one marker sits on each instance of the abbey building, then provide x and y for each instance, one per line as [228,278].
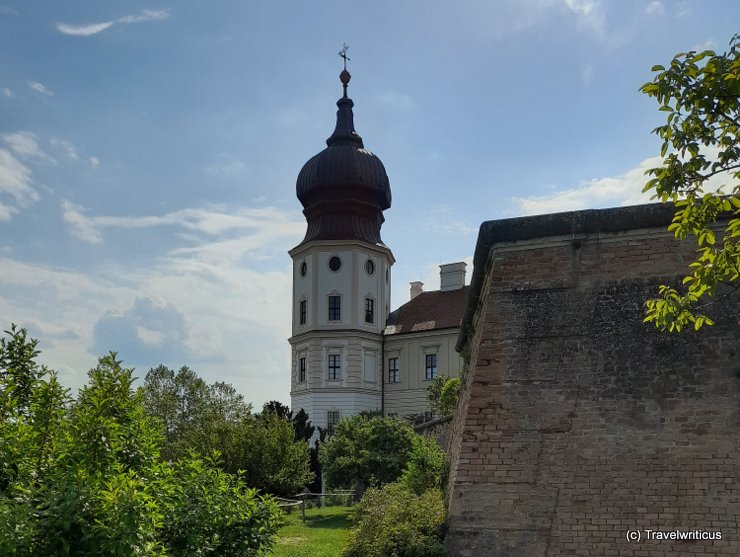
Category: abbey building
[349,352]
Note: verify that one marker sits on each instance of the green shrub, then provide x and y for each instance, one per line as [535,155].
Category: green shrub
[442,394]
[427,467]
[366,450]
[210,512]
[395,522]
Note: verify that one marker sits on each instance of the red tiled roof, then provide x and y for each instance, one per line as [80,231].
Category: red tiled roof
[429,311]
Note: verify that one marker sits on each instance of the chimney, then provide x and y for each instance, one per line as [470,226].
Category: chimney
[451,276]
[417,287]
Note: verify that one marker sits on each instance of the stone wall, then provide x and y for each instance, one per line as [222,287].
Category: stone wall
[578,424]
[438,428]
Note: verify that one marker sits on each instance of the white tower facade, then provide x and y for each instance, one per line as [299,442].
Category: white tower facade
[341,279]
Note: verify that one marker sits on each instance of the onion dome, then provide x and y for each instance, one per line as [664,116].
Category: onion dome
[344,189]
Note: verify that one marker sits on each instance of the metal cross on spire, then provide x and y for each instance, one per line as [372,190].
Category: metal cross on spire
[343,54]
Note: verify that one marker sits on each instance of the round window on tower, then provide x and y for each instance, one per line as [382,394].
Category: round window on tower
[335,263]
[369,267]
[304,269]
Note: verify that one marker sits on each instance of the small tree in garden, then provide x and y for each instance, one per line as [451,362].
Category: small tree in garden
[85,477]
[263,449]
[366,451]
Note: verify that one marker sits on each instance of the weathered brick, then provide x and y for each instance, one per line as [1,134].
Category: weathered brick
[595,423]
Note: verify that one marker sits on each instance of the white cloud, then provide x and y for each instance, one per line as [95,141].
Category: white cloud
[69,149]
[684,10]
[503,18]
[625,189]
[95,28]
[213,302]
[39,88]
[7,92]
[709,44]
[94,162]
[16,184]
[146,15]
[6,212]
[23,143]
[152,329]
[227,167]
[214,220]
[655,7]
[83,30]
[80,225]
[59,307]
[150,336]
[589,14]
[440,219]
[600,192]
[487,20]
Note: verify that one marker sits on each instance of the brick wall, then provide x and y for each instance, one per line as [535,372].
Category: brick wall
[577,422]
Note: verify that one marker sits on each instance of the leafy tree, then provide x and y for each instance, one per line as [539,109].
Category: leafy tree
[85,478]
[304,431]
[33,436]
[442,394]
[302,426]
[101,498]
[700,93]
[269,457]
[278,409]
[366,452]
[205,418]
[193,413]
[19,372]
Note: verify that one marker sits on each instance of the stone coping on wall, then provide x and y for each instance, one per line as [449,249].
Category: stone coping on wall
[571,223]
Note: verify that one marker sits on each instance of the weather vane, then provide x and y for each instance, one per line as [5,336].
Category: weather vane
[343,54]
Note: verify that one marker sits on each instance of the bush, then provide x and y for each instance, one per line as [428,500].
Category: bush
[395,522]
[427,467]
[366,451]
[442,394]
[210,512]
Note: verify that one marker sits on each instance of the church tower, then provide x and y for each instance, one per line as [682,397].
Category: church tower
[341,278]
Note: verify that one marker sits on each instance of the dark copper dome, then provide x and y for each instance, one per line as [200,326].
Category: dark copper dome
[344,189]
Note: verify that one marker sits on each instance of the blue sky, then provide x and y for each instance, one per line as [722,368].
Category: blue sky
[148,152]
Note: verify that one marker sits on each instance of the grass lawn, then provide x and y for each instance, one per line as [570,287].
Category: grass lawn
[323,535]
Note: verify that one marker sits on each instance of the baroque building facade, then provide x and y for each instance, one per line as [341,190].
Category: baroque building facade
[347,356]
